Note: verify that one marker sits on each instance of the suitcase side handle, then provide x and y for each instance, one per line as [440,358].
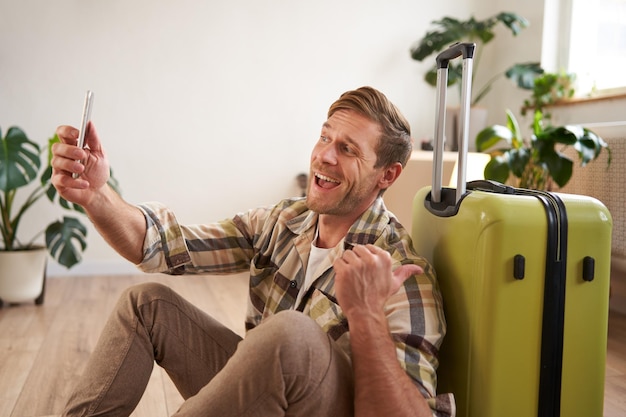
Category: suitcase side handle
[466,50]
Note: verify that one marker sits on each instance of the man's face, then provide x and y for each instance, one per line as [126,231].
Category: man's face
[343,179]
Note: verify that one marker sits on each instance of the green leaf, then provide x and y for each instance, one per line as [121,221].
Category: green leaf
[589,147]
[483,33]
[19,160]
[436,41]
[54,139]
[66,241]
[497,169]
[560,166]
[537,122]
[431,77]
[567,135]
[586,151]
[491,135]
[511,123]
[513,21]
[524,75]
[518,159]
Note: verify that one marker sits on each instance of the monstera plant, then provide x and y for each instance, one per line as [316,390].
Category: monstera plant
[538,161]
[21,162]
[449,30]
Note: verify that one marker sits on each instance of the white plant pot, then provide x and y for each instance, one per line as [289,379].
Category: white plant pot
[22,275]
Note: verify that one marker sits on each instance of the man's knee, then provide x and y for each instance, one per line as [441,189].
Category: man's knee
[294,340]
[134,300]
[146,291]
[139,294]
[293,328]
[294,346]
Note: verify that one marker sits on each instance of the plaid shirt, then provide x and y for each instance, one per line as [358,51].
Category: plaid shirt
[274,244]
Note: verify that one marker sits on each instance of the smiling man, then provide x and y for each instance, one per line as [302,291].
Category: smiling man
[343,318]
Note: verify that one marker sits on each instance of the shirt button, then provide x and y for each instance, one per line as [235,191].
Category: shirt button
[293,284]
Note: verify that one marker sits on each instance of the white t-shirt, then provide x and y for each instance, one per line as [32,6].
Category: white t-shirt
[316,257]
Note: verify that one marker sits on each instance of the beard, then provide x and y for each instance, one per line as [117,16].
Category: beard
[340,203]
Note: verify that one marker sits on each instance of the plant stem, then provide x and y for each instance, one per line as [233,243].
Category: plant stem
[8,229]
[535,177]
[485,89]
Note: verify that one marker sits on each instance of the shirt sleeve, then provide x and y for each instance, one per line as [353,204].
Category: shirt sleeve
[417,327]
[217,248]
[164,248]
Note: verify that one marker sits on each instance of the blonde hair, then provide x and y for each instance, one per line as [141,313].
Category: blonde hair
[395,143]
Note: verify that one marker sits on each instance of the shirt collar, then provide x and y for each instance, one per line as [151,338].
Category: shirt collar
[365,230]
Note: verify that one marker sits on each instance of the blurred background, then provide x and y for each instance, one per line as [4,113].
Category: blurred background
[212,107]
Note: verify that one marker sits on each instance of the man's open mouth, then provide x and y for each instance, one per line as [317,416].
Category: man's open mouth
[325,182]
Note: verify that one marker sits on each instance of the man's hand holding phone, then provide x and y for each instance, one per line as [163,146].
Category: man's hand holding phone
[79,172]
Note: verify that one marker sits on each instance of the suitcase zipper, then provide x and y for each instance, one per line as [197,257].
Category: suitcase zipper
[553,320]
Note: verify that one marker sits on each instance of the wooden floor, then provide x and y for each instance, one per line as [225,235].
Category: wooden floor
[44,348]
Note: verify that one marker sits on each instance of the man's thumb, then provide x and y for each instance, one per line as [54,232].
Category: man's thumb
[403,272]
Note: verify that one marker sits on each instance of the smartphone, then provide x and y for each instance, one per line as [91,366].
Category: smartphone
[84,121]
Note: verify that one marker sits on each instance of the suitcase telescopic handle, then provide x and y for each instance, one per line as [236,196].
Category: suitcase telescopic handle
[454,51]
[466,50]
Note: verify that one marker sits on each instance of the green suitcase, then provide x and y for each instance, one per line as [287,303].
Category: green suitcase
[510,286]
[525,281]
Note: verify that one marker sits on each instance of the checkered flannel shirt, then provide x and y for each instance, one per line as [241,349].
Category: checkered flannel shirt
[274,243]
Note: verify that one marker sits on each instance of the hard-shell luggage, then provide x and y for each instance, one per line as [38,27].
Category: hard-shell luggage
[525,280]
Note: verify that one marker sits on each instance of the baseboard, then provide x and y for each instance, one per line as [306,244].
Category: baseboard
[91,267]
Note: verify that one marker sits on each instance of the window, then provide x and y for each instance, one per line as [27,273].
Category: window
[590,42]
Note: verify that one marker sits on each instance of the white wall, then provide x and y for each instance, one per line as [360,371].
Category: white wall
[213,106]
[507,50]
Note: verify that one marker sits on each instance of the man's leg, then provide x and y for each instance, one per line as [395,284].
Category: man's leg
[287,366]
[150,323]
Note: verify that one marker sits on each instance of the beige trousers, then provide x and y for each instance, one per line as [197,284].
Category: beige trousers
[287,366]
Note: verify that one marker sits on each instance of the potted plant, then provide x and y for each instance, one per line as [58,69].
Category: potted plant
[537,162]
[450,30]
[549,88]
[65,239]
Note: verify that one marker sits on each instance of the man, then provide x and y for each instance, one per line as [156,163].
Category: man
[344,319]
